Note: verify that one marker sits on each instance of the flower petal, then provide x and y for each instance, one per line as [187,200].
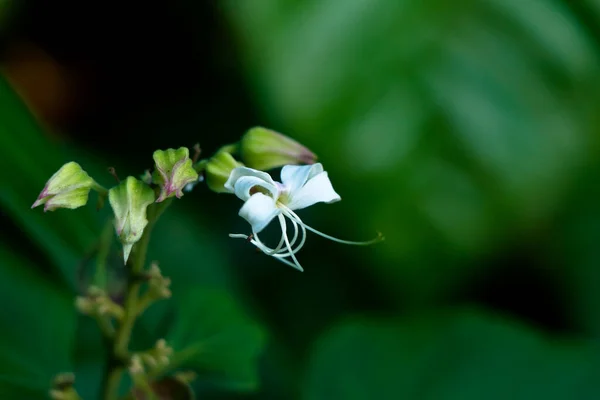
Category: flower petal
[259,210]
[316,190]
[295,176]
[247,186]
[240,172]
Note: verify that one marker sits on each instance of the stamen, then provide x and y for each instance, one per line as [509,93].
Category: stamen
[261,247]
[287,242]
[281,252]
[294,216]
[302,241]
[278,251]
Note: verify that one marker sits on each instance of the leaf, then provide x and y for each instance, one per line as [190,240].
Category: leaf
[28,159]
[90,356]
[452,126]
[214,336]
[38,327]
[574,244]
[464,355]
[12,387]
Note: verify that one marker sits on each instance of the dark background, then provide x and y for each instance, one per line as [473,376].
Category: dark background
[466,132]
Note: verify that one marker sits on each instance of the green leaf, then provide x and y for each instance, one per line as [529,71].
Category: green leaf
[574,244]
[464,355]
[213,335]
[90,358]
[38,327]
[28,159]
[13,387]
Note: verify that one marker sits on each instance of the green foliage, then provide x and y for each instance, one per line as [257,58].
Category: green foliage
[32,305]
[461,355]
[215,336]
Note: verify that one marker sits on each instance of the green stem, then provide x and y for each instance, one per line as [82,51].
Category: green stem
[232,148]
[99,188]
[120,351]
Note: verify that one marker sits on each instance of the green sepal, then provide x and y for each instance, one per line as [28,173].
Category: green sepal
[173,172]
[129,201]
[69,187]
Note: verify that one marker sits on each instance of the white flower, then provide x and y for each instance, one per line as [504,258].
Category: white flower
[266,199]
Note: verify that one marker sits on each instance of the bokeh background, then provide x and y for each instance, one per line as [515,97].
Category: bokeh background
[466,131]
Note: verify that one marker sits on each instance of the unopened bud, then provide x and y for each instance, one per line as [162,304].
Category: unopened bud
[264,149]
[62,388]
[136,367]
[84,305]
[218,169]
[98,304]
[173,172]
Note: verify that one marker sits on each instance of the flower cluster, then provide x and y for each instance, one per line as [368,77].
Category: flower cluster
[303,183]
[137,203]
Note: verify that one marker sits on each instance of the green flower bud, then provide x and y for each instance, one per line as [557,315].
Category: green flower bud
[264,149]
[69,187]
[129,201]
[173,171]
[62,387]
[217,170]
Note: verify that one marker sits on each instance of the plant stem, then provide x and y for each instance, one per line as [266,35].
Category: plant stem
[99,188]
[120,352]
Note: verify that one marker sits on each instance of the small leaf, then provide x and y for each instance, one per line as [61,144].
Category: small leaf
[214,336]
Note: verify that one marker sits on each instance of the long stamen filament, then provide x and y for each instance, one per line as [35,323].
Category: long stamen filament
[294,216]
[287,242]
[285,248]
[277,252]
[261,247]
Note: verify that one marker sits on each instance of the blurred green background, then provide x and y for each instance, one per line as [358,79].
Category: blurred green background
[467,132]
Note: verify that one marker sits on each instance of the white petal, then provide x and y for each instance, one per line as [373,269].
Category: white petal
[241,172]
[247,186]
[316,190]
[295,176]
[259,210]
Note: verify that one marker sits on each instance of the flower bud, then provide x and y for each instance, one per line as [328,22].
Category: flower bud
[129,201]
[62,388]
[69,187]
[264,149]
[217,170]
[173,172]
